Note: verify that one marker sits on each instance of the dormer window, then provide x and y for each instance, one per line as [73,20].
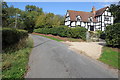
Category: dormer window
[78,18]
[90,19]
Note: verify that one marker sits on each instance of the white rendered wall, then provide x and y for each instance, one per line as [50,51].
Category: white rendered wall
[78,23]
[112,19]
[67,14]
[73,24]
[103,29]
[82,24]
[67,23]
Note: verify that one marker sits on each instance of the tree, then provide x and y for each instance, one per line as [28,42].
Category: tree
[49,20]
[4,14]
[9,15]
[30,8]
[40,22]
[30,16]
[115,9]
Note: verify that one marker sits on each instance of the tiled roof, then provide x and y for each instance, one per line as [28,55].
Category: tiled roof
[100,11]
[85,15]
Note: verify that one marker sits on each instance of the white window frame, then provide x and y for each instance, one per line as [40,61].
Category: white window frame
[78,18]
[90,19]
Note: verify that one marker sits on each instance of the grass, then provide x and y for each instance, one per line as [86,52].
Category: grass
[14,64]
[110,56]
[56,39]
[60,38]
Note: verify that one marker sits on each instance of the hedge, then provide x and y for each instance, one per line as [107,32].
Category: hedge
[64,31]
[113,35]
[11,36]
[101,34]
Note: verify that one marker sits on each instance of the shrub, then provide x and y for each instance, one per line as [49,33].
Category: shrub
[77,32]
[113,35]
[64,31]
[11,37]
[14,64]
[101,34]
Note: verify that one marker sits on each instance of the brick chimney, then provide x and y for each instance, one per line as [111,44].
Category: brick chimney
[93,10]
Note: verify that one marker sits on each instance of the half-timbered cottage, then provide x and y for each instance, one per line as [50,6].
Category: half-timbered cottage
[94,20]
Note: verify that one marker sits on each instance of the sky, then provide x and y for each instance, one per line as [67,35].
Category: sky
[60,8]
[61,0]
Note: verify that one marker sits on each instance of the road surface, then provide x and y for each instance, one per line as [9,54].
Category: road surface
[52,59]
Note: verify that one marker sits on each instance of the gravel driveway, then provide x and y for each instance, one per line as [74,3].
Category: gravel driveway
[91,49]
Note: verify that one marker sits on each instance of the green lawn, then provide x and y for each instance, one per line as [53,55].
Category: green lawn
[14,64]
[110,57]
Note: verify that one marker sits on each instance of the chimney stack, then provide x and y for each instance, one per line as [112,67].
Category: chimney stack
[93,10]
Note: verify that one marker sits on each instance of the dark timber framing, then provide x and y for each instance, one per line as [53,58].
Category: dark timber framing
[104,19]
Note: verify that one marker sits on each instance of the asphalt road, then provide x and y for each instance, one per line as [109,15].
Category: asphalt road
[52,59]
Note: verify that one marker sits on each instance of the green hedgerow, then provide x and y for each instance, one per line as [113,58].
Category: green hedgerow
[10,37]
[113,35]
[64,31]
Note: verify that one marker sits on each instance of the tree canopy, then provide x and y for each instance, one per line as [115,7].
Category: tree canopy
[115,9]
[32,17]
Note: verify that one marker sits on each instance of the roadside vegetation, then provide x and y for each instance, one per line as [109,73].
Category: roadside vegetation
[111,56]
[64,31]
[58,38]
[16,48]
[113,35]
[110,53]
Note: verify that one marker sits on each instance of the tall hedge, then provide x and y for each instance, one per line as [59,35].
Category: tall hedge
[113,35]
[64,31]
[11,36]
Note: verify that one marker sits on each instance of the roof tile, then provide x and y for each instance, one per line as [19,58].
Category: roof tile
[85,15]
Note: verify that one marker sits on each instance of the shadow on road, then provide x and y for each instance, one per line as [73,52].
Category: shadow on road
[41,43]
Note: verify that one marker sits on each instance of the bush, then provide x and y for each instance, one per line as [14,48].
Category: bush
[14,64]
[113,35]
[78,32]
[101,34]
[64,31]
[11,36]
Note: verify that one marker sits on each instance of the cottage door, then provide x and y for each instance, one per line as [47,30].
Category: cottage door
[91,28]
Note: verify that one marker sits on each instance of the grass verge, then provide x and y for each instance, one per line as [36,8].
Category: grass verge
[58,38]
[51,38]
[14,64]
[110,56]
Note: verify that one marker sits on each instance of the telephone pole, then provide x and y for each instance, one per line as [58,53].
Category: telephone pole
[16,21]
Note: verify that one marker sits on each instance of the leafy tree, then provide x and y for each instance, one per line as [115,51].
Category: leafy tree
[30,16]
[49,20]
[9,15]
[4,14]
[45,20]
[40,22]
[113,35]
[30,8]
[115,9]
